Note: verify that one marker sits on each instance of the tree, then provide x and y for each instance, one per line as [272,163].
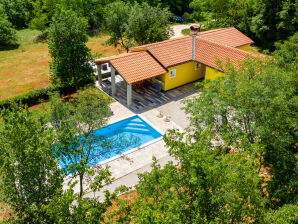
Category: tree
[286,53]
[7,33]
[274,21]
[40,20]
[257,102]
[116,19]
[17,12]
[67,46]
[177,7]
[29,172]
[70,207]
[75,122]
[221,13]
[129,24]
[147,24]
[208,185]
[286,214]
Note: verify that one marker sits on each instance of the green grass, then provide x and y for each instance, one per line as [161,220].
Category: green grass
[27,36]
[27,67]
[185,31]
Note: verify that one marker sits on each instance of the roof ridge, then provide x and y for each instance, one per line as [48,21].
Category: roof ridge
[123,55]
[215,30]
[159,42]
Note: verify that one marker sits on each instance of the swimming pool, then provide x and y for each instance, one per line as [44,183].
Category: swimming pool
[118,138]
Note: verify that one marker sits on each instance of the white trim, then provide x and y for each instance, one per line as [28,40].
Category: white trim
[174,71]
[149,122]
[128,152]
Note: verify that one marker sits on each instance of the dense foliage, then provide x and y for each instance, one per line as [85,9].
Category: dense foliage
[7,33]
[17,11]
[136,24]
[31,145]
[75,122]
[265,21]
[237,162]
[209,185]
[258,103]
[28,170]
[34,97]
[70,65]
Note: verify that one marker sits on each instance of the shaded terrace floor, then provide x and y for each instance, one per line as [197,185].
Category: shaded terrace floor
[144,98]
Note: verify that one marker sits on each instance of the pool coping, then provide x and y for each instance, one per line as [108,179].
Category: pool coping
[136,148]
[129,151]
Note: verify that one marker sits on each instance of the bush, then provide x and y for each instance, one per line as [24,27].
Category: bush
[185,31]
[17,12]
[187,18]
[36,96]
[7,33]
[43,36]
[287,214]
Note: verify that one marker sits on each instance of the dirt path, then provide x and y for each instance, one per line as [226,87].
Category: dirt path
[178,28]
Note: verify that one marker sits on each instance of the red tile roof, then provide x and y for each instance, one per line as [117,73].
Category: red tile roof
[229,36]
[150,60]
[136,66]
[209,52]
[170,52]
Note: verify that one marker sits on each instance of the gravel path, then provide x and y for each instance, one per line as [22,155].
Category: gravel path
[178,28]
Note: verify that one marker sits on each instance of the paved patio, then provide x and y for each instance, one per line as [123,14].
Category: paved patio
[162,110]
[144,98]
[125,169]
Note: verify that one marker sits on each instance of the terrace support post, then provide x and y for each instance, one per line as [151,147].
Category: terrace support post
[113,81]
[99,75]
[129,94]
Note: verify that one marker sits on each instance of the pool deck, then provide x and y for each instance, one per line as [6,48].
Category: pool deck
[163,112]
[125,169]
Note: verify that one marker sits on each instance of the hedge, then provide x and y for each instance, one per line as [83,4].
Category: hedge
[34,97]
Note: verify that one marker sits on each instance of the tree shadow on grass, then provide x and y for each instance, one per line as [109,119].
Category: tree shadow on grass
[9,47]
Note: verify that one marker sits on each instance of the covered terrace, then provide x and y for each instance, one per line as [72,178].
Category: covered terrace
[134,68]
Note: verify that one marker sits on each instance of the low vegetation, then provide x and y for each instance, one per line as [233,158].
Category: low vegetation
[242,124]
[27,67]
[185,31]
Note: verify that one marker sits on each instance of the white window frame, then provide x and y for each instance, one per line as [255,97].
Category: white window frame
[172,73]
[198,65]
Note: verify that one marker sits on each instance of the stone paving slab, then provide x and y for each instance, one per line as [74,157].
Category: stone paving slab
[144,98]
[142,156]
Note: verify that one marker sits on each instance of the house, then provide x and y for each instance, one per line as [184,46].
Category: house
[178,61]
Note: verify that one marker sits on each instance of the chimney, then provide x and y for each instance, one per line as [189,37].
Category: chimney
[194,29]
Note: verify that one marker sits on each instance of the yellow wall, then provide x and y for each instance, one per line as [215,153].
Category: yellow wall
[185,73]
[212,73]
[245,47]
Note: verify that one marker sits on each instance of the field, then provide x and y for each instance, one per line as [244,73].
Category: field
[27,67]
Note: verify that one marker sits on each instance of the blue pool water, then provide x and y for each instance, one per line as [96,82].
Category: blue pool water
[116,139]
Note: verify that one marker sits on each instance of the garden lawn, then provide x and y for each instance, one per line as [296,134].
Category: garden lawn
[27,67]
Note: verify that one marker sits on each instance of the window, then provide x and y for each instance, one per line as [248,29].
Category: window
[104,67]
[172,73]
[198,65]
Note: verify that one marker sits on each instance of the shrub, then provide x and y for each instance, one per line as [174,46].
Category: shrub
[7,33]
[286,214]
[36,96]
[185,31]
